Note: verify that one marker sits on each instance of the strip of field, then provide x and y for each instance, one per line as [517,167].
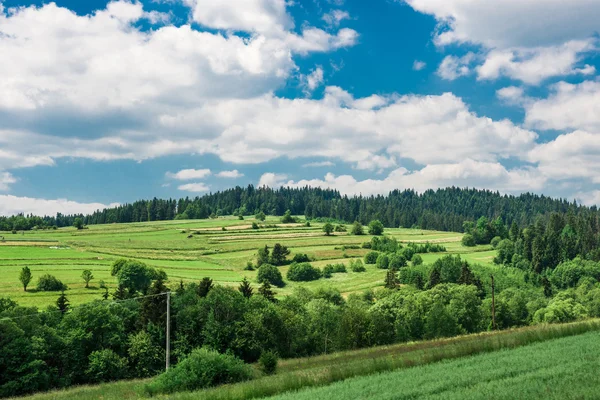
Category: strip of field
[565,368]
[579,354]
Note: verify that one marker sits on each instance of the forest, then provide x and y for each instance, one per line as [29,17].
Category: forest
[442,209]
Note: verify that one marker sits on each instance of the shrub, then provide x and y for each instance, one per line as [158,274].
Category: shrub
[249,266]
[383,261]
[106,365]
[340,228]
[268,362]
[49,283]
[270,273]
[416,260]
[201,369]
[300,258]
[371,257]
[357,266]
[357,228]
[495,241]
[397,261]
[328,229]
[327,271]
[375,228]
[287,217]
[339,268]
[366,245]
[331,269]
[468,240]
[255,225]
[303,272]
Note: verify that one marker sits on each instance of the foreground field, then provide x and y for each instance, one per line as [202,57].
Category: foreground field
[565,368]
[548,361]
[190,250]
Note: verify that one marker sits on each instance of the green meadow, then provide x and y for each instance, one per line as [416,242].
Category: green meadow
[192,249]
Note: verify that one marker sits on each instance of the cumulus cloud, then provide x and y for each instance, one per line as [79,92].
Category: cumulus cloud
[453,67]
[521,36]
[12,205]
[467,173]
[197,187]
[230,174]
[511,94]
[272,180]
[6,179]
[569,106]
[189,174]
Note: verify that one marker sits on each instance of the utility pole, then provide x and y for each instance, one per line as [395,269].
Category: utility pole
[494,327]
[168,352]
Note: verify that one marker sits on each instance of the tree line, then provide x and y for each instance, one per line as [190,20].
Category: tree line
[442,209]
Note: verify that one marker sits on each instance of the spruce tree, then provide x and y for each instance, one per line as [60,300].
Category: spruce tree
[245,288]
[206,284]
[62,303]
[391,279]
[120,293]
[434,278]
[266,292]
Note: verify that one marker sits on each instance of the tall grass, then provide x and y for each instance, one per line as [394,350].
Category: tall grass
[402,356]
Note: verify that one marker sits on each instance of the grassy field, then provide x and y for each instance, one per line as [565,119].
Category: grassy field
[218,248]
[547,361]
[565,368]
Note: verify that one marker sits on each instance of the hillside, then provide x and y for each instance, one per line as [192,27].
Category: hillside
[442,209]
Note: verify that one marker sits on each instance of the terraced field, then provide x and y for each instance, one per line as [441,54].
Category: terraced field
[190,250]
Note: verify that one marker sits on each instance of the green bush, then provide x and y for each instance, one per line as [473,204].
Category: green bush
[357,266]
[106,365]
[468,240]
[375,228]
[49,283]
[397,261]
[268,362]
[303,272]
[327,271]
[300,258]
[495,241]
[255,225]
[416,260]
[201,369]
[383,261]
[270,273]
[371,257]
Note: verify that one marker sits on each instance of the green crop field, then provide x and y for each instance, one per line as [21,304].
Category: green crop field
[218,248]
[565,368]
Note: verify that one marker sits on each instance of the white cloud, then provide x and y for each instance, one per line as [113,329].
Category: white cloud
[230,174]
[242,15]
[572,155]
[453,67]
[189,174]
[512,23]
[512,95]
[467,173]
[313,80]
[198,187]
[419,65]
[12,205]
[334,17]
[272,180]
[534,65]
[6,179]
[527,40]
[569,106]
[319,164]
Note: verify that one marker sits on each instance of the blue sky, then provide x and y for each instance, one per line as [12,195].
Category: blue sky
[109,102]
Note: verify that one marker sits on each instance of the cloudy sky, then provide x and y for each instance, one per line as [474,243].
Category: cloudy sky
[109,102]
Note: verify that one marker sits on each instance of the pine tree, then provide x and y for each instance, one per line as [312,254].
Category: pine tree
[205,286]
[62,303]
[547,287]
[434,278]
[245,288]
[120,293]
[391,279]
[266,292]
[279,254]
[263,256]
[419,282]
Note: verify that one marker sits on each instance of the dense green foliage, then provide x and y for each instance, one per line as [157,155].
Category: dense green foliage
[270,273]
[303,272]
[49,283]
[201,369]
[442,209]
